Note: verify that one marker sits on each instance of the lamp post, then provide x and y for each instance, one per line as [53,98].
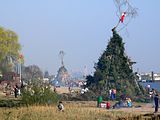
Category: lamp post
[20,72]
[20,66]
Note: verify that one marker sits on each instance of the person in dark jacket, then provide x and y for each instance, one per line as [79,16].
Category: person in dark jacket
[156,101]
[16,91]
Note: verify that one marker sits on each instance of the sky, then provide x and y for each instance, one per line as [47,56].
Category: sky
[82,29]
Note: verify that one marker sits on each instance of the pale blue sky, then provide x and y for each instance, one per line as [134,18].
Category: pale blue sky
[81,28]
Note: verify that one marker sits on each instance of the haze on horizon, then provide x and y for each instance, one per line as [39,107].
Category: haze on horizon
[82,30]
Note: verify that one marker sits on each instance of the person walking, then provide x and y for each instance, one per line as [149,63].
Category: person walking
[156,101]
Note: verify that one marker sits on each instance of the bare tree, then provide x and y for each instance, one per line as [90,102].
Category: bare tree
[32,73]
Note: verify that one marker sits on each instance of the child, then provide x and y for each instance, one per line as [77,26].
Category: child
[129,102]
[60,106]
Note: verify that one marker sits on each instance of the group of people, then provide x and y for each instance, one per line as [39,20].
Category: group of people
[127,102]
[124,102]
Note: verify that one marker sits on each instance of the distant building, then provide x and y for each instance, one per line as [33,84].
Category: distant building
[157,76]
[149,77]
[146,76]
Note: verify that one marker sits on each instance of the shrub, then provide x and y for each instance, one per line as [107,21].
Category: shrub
[10,103]
[39,95]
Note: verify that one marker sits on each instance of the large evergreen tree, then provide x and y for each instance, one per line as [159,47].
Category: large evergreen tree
[114,70]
